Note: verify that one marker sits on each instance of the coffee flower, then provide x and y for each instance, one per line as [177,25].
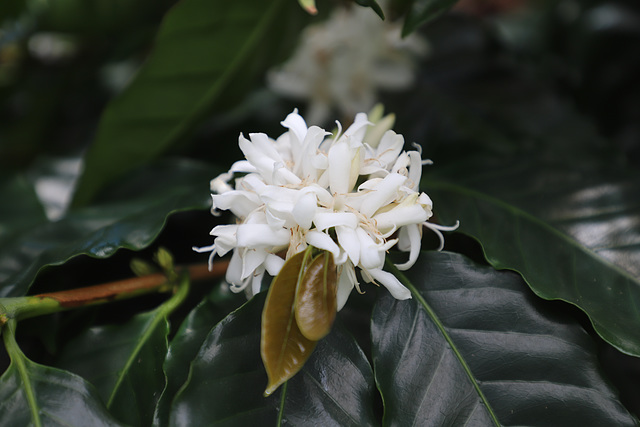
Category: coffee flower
[354,194]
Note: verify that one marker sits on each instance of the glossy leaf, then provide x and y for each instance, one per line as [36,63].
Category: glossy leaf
[33,394]
[226,380]
[185,346]
[283,347]
[130,216]
[316,302]
[124,362]
[573,238]
[475,347]
[423,11]
[204,49]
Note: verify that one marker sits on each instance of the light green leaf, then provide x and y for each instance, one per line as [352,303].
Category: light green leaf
[475,347]
[207,52]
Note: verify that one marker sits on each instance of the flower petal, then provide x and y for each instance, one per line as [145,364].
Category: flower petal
[410,233]
[346,282]
[391,282]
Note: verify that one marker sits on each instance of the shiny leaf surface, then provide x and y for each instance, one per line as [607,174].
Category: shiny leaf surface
[316,301]
[203,49]
[125,361]
[476,347]
[283,347]
[130,215]
[573,236]
[226,380]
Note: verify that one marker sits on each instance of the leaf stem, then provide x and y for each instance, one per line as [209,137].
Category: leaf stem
[436,320]
[19,308]
[17,357]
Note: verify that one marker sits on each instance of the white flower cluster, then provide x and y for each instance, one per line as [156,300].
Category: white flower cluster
[342,62]
[354,194]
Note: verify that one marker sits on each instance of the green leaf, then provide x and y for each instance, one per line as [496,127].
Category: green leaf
[283,347]
[316,301]
[23,213]
[124,362]
[205,50]
[423,11]
[226,380]
[475,347]
[32,394]
[130,216]
[572,236]
[185,345]
[373,4]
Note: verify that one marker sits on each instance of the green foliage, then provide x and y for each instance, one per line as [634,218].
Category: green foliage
[531,120]
[205,53]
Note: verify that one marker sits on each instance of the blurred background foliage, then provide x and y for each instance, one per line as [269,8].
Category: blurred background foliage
[554,82]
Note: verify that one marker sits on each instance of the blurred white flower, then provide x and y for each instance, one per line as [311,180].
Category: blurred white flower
[343,62]
[354,194]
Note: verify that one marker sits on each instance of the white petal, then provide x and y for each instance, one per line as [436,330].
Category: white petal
[391,282]
[273,264]
[295,123]
[348,240]
[384,193]
[256,283]
[261,235]
[305,210]
[371,254]
[414,238]
[234,271]
[324,220]
[251,260]
[240,203]
[325,242]
[339,167]
[346,282]
[400,216]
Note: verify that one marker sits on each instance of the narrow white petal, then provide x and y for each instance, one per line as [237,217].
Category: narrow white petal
[273,264]
[400,216]
[295,123]
[414,238]
[348,240]
[251,260]
[339,168]
[346,282]
[240,203]
[391,282]
[324,220]
[234,270]
[371,255]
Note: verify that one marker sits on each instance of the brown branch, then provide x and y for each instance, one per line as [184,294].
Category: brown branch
[131,287]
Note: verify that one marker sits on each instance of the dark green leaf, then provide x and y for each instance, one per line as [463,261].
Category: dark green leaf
[423,11]
[125,361]
[475,347]
[204,50]
[373,4]
[129,216]
[570,234]
[23,213]
[63,399]
[227,378]
[32,394]
[184,348]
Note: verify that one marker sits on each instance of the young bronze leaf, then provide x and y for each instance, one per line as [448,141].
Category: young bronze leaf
[283,347]
[316,299]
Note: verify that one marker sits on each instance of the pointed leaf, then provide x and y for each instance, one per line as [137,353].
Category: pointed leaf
[62,398]
[476,347]
[124,362]
[204,49]
[283,348]
[226,380]
[562,231]
[316,302]
[130,216]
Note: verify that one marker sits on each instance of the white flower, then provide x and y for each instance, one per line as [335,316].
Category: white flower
[354,194]
[342,63]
